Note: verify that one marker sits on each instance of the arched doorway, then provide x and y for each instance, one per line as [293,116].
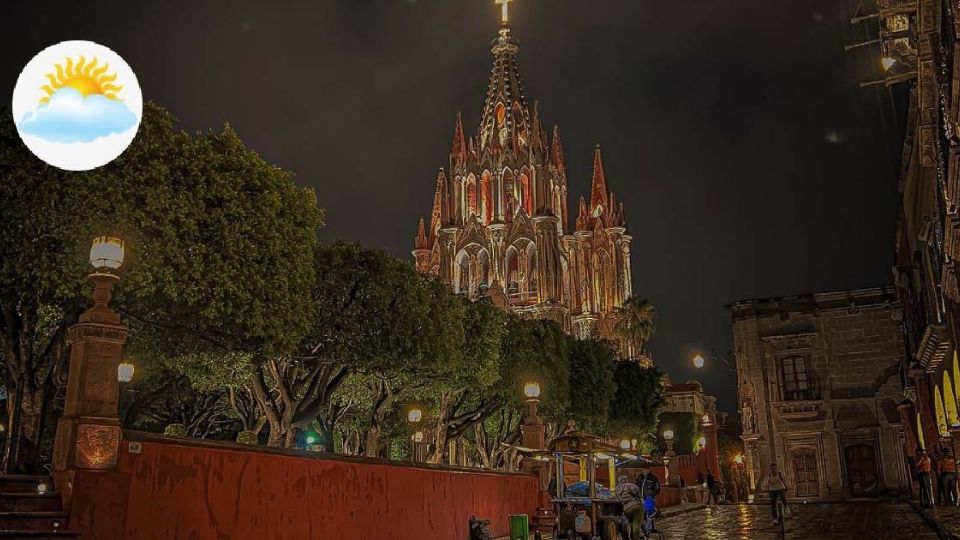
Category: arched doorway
[862,476]
[805,473]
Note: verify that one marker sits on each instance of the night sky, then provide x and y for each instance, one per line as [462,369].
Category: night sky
[749,161]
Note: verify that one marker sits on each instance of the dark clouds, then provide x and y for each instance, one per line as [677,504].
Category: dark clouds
[717,120]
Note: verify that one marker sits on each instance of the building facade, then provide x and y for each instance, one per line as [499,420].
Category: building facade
[499,223]
[819,391]
[924,50]
[689,398]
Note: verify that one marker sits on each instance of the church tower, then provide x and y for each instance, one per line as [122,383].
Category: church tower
[498,224]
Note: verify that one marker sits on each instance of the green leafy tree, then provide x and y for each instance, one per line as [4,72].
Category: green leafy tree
[686,431]
[592,383]
[375,317]
[637,324]
[530,350]
[637,400]
[220,248]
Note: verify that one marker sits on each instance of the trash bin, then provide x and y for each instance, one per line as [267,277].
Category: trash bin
[519,527]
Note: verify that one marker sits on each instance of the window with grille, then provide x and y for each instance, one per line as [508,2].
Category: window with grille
[797,379]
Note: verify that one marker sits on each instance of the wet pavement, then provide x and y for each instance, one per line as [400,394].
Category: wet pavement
[861,521]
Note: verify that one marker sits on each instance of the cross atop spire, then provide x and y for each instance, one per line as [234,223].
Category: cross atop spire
[505,13]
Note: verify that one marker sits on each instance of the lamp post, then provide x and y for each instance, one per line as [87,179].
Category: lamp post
[414,418]
[88,434]
[534,432]
[669,458]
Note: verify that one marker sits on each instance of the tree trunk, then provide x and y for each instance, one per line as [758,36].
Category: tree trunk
[381,399]
[25,408]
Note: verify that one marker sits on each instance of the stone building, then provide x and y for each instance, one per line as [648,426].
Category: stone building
[689,398]
[920,44]
[819,389]
[499,223]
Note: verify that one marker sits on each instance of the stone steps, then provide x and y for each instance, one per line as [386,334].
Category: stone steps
[30,507]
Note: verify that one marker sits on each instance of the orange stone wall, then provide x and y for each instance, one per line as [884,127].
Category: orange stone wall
[183,489]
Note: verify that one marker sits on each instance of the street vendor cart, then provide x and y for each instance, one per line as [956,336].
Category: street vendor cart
[592,511]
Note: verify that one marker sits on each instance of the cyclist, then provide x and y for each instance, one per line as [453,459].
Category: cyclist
[775,484]
[650,487]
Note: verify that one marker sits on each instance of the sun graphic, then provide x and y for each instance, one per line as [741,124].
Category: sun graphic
[86,78]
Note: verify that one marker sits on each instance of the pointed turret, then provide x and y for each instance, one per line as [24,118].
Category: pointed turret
[598,190]
[458,149]
[583,216]
[421,242]
[536,143]
[556,151]
[439,214]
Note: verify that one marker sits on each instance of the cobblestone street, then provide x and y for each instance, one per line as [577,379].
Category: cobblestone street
[851,520]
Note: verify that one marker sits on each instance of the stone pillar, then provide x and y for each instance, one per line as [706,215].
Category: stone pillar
[534,436]
[88,434]
[673,467]
[712,450]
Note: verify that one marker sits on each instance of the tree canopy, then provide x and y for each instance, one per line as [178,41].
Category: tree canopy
[219,254]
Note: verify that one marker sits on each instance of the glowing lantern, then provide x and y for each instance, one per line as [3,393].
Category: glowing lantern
[887,62]
[414,416]
[668,434]
[106,253]
[532,390]
[125,372]
[624,444]
[698,361]
[417,437]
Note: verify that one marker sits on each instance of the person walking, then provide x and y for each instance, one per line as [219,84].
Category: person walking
[923,478]
[711,484]
[631,496]
[775,484]
[948,477]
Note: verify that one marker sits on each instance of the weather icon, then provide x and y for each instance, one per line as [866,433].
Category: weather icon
[77,105]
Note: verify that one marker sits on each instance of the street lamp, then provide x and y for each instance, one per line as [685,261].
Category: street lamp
[106,257]
[668,457]
[532,390]
[106,253]
[698,361]
[125,372]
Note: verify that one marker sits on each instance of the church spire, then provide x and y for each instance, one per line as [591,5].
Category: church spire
[458,149]
[421,241]
[598,191]
[505,118]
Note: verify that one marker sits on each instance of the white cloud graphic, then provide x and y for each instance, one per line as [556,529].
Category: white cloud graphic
[70,117]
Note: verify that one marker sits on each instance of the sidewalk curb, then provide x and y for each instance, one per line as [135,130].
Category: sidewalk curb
[934,524]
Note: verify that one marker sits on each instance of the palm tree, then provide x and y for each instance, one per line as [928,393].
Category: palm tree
[637,323]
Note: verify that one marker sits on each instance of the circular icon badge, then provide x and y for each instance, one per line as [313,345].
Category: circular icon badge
[77,105]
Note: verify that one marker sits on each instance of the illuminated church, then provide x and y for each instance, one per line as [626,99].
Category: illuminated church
[499,223]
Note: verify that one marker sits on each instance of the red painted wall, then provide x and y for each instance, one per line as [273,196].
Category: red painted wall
[212,492]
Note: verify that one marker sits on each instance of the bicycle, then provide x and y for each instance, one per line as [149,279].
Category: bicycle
[781,516]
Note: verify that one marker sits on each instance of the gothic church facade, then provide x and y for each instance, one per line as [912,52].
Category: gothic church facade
[499,223]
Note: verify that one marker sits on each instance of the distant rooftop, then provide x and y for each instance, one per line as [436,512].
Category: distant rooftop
[821,301]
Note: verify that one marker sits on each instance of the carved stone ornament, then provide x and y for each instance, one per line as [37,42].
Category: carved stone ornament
[97,446]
